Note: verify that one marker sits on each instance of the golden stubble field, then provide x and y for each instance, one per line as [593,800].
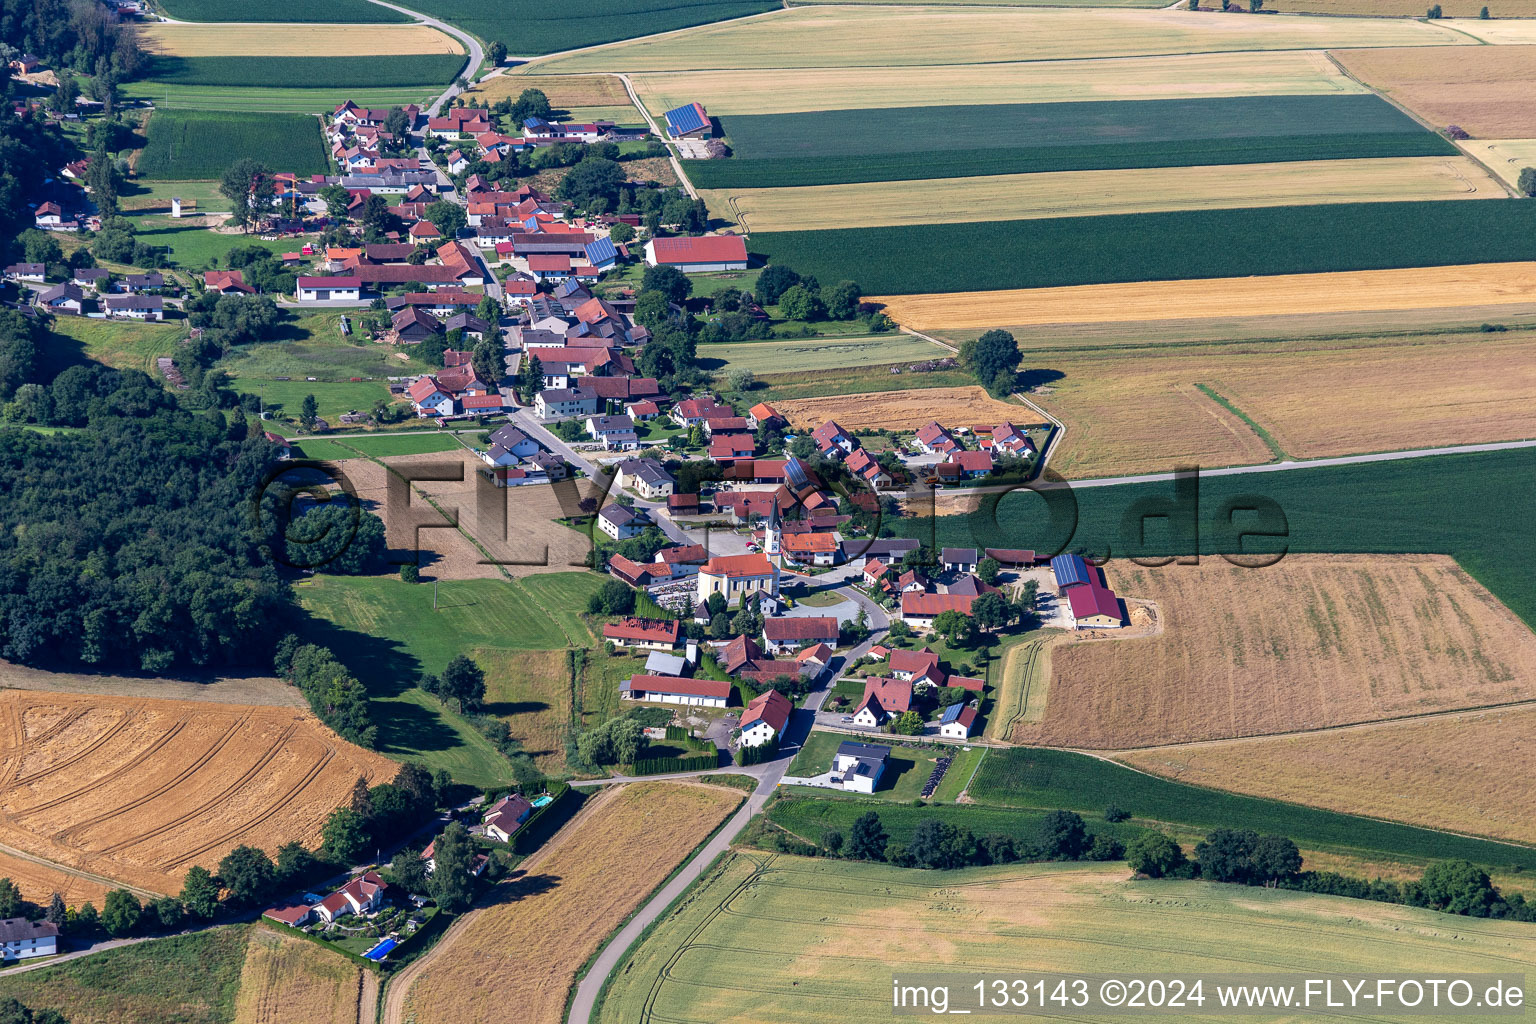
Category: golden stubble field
[139,790]
[1485,90]
[847,36]
[1315,641]
[1096,193]
[287,979]
[524,950]
[1139,409]
[1479,284]
[1461,10]
[903,410]
[171,39]
[1176,76]
[1451,772]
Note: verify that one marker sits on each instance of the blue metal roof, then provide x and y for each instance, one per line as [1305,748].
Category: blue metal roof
[681,120]
[1070,570]
[951,713]
[600,251]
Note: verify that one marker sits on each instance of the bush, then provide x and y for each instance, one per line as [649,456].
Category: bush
[1155,855]
[1114,814]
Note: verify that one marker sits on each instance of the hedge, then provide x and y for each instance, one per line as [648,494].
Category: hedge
[546,821]
[669,765]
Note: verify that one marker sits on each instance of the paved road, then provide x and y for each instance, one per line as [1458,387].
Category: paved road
[471,45]
[529,424]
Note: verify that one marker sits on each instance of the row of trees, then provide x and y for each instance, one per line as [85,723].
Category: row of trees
[939,845]
[336,696]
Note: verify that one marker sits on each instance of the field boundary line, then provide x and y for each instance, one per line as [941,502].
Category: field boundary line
[1253,425]
[90,876]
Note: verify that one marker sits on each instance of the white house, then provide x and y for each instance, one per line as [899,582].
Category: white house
[709,693]
[621,522]
[957,722]
[506,816]
[428,399]
[135,307]
[329,289]
[765,718]
[559,403]
[21,939]
[860,766]
[509,446]
[647,477]
[362,895]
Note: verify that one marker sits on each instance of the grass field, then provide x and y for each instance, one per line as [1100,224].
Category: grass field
[820,939]
[529,27]
[899,410]
[311,344]
[127,346]
[1506,157]
[315,72]
[1181,76]
[282,973]
[877,144]
[1160,246]
[1443,773]
[189,979]
[1085,193]
[804,355]
[313,40]
[1021,682]
[1486,285]
[344,11]
[140,790]
[389,635]
[845,37]
[380,447]
[188,145]
[1459,9]
[277,100]
[1480,90]
[1315,641]
[528,945]
[532,691]
[332,397]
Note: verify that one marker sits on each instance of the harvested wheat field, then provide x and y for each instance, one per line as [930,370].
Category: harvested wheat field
[1458,9]
[525,950]
[564,91]
[1480,284]
[1505,157]
[515,525]
[1180,76]
[1449,772]
[1485,90]
[900,410]
[286,980]
[1092,193]
[173,39]
[139,790]
[1314,641]
[39,882]
[846,37]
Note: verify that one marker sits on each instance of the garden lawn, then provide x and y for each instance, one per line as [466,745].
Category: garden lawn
[342,11]
[860,380]
[200,145]
[530,27]
[314,72]
[194,247]
[906,772]
[1160,246]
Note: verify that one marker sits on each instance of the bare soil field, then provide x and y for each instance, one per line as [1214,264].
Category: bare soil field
[1450,772]
[287,979]
[38,883]
[565,92]
[1485,90]
[517,528]
[1482,284]
[171,39]
[1180,76]
[140,790]
[847,36]
[1089,193]
[525,949]
[1315,641]
[220,689]
[902,410]
[532,691]
[1133,410]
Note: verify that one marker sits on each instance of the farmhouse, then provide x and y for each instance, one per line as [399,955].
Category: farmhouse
[764,719]
[934,439]
[698,255]
[509,446]
[1008,439]
[812,548]
[958,559]
[919,610]
[864,465]
[893,695]
[631,572]
[63,298]
[329,289]
[135,307]
[709,693]
[1070,571]
[647,477]
[35,272]
[682,559]
[506,816]
[621,522]
[793,632]
[21,939]
[957,721]
[616,432]
[920,668]
[764,415]
[732,447]
[362,895]
[227,282]
[964,465]
[858,766]
[428,399]
[688,122]
[736,576]
[1094,605]
[648,634]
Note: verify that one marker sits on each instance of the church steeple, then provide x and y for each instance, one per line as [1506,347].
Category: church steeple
[773,534]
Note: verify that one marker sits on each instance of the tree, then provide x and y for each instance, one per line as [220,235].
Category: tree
[594,178]
[773,282]
[1226,855]
[344,835]
[990,612]
[1483,14]
[530,103]
[336,200]
[987,570]
[908,723]
[168,913]
[800,303]
[338,537]
[247,873]
[247,184]
[57,913]
[497,51]
[410,573]
[613,597]
[449,218]
[1115,813]
[741,378]
[200,893]
[40,246]
[464,681]
[621,234]
[10,898]
[362,801]
[410,870]
[451,883]
[120,913]
[309,410]
[954,626]
[832,841]
[670,281]
[294,861]
[1526,184]
[867,839]
[1275,858]
[937,844]
[993,359]
[1063,836]
[1458,887]
[1153,854]
[842,300]
[1255,6]
[530,378]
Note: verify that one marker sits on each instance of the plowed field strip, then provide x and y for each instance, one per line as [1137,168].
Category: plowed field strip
[85,752]
[148,752]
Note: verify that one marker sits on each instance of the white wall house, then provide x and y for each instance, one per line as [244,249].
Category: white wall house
[21,939]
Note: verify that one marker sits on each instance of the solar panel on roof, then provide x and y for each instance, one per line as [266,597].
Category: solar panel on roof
[951,713]
[600,251]
[682,120]
[1070,570]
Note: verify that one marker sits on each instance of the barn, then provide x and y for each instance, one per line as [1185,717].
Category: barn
[698,255]
[690,121]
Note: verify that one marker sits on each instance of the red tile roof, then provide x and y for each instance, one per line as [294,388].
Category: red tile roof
[679,685]
[926,605]
[800,627]
[738,566]
[772,707]
[649,630]
[706,249]
[894,695]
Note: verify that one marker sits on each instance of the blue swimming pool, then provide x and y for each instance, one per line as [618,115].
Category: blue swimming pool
[541,801]
[380,951]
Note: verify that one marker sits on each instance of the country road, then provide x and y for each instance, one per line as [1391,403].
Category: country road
[471,46]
